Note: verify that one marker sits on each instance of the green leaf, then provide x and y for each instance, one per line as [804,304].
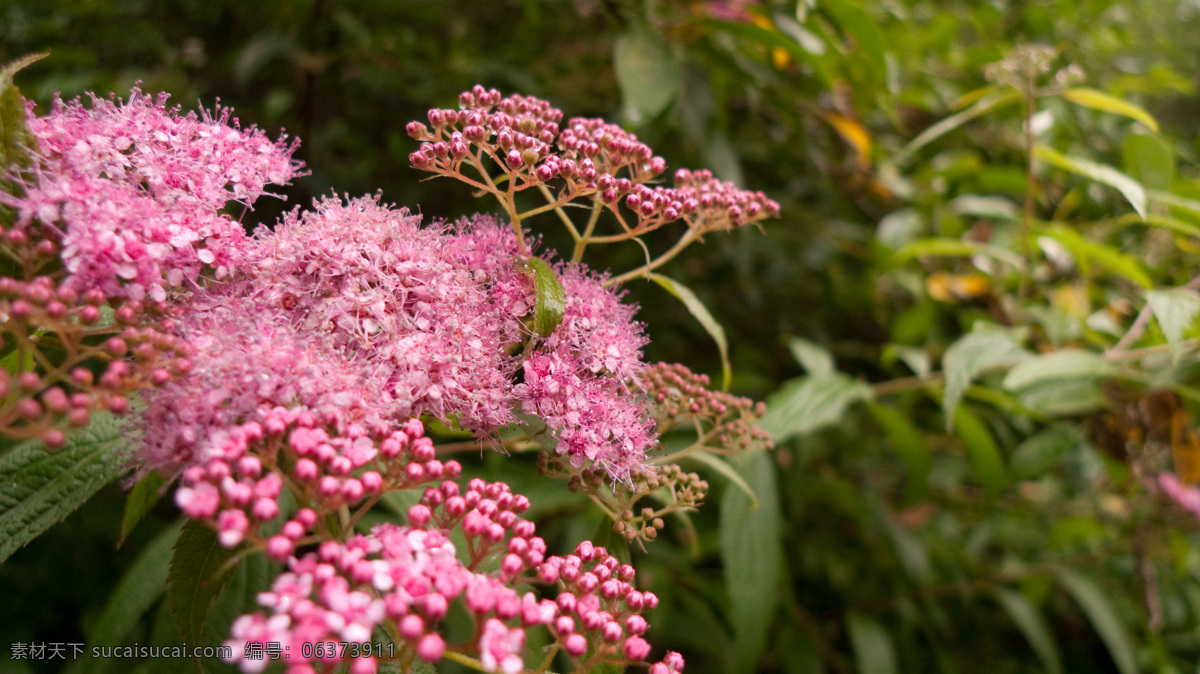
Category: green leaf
[862,28]
[1149,160]
[907,442]
[1061,364]
[1086,251]
[970,355]
[727,471]
[940,247]
[805,404]
[199,571]
[1033,626]
[1176,310]
[137,592]
[872,645]
[701,313]
[1039,452]
[1098,100]
[989,102]
[982,452]
[801,46]
[141,499]
[1104,617]
[551,298]
[15,137]
[1131,189]
[41,488]
[1175,201]
[752,557]
[648,73]
[813,357]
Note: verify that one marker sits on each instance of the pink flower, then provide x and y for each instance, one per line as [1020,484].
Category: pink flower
[131,191]
[500,647]
[1187,496]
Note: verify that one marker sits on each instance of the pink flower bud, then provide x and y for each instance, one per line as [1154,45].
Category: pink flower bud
[575,645]
[279,548]
[430,648]
[635,647]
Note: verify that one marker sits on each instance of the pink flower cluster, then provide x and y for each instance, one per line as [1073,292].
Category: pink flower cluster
[579,384]
[119,202]
[593,157]
[409,575]
[354,310]
[130,192]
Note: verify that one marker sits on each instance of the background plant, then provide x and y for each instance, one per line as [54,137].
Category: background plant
[1012,541]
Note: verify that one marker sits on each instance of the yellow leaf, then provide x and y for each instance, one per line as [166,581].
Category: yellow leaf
[852,132]
[1185,448]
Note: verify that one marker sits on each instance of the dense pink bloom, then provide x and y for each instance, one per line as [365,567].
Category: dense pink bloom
[355,312]
[426,314]
[131,191]
[580,384]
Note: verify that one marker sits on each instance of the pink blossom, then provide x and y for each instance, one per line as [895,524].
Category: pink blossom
[131,191]
[500,647]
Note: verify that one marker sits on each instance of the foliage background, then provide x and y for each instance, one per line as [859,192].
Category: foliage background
[882,542]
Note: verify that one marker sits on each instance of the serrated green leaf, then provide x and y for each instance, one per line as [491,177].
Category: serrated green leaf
[1131,189]
[984,105]
[982,452]
[1061,364]
[872,645]
[139,589]
[141,499]
[41,488]
[970,355]
[1149,160]
[813,357]
[701,313]
[1032,626]
[1104,618]
[551,299]
[807,403]
[648,72]
[15,137]
[199,572]
[1098,100]
[1176,311]
[1087,251]
[752,557]
[908,444]
[1062,398]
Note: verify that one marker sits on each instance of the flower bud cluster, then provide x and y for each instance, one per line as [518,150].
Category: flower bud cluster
[683,491]
[681,397]
[73,354]
[325,464]
[594,159]
[408,576]
[702,201]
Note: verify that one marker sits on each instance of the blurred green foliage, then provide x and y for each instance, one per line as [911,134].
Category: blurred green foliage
[933,249]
